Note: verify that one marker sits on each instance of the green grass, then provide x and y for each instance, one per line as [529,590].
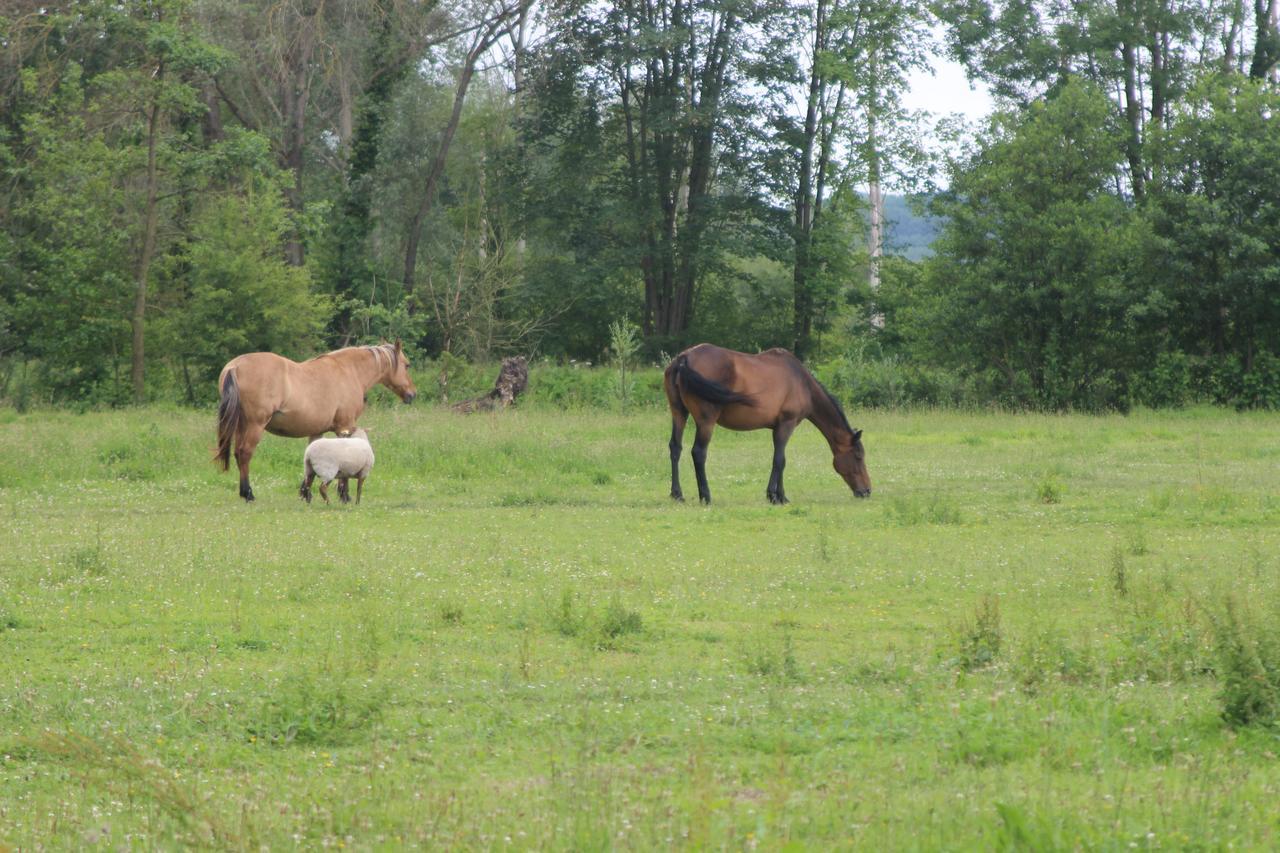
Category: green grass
[519,640]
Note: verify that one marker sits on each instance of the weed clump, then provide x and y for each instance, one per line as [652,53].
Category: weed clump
[936,510]
[565,620]
[979,636]
[1248,656]
[306,710]
[451,613]
[777,663]
[1119,577]
[619,620]
[603,631]
[1049,490]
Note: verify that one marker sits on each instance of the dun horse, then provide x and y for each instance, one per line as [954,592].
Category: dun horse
[264,391]
[770,390]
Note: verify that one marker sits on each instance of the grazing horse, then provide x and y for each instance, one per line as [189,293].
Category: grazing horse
[264,391]
[769,390]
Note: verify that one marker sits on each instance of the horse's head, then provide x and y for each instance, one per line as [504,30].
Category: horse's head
[397,378]
[851,463]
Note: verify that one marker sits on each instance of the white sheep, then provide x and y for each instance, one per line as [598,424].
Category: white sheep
[340,459]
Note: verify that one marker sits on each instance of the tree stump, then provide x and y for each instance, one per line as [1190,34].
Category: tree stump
[513,378]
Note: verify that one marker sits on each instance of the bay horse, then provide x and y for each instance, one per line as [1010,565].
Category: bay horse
[262,391]
[769,390]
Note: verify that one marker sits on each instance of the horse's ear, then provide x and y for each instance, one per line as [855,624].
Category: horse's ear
[398,347]
[857,434]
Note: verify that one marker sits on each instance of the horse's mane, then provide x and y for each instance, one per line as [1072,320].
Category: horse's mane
[835,404]
[378,351]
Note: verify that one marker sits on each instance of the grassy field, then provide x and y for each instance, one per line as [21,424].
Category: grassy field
[517,640]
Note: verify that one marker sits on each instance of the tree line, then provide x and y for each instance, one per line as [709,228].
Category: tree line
[185,180]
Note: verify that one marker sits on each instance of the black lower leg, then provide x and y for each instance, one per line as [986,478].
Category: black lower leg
[774,492]
[700,468]
[674,446]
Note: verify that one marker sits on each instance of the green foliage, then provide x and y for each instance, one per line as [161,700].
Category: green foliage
[978,637]
[1048,489]
[313,710]
[237,294]
[1248,654]
[1034,250]
[624,344]
[1215,249]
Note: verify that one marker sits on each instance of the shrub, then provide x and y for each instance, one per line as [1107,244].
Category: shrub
[1248,656]
[616,622]
[1048,490]
[890,382]
[307,710]
[979,637]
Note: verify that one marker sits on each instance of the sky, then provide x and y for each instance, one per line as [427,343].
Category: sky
[947,91]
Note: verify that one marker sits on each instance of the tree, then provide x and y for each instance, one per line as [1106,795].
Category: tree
[1032,284]
[1216,231]
[494,21]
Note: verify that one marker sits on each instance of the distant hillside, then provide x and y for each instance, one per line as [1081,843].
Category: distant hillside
[907,233]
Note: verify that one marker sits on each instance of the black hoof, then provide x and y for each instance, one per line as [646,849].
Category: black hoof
[246,493]
[705,499]
[777,499]
[677,497]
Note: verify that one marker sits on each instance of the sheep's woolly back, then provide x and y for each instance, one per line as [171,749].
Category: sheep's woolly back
[339,457]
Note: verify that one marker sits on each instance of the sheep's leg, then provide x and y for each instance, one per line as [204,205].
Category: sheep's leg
[359,489]
[344,490]
[308,474]
[324,490]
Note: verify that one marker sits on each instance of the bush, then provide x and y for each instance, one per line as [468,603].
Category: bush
[979,637]
[891,382]
[309,710]
[1248,655]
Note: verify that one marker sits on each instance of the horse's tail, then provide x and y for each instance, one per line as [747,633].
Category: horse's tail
[229,417]
[703,388]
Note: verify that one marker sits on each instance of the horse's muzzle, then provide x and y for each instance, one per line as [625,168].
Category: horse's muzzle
[408,398]
[862,493]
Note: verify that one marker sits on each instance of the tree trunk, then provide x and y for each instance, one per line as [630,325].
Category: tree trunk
[875,196]
[802,303]
[212,122]
[1266,44]
[437,165]
[296,92]
[148,247]
[1133,116]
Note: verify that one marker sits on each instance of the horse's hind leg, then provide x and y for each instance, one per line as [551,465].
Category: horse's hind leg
[247,443]
[781,435]
[699,454]
[678,421]
[359,489]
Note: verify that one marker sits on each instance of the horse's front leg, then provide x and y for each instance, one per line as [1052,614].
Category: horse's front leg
[699,454]
[344,423]
[247,443]
[678,421]
[781,435]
